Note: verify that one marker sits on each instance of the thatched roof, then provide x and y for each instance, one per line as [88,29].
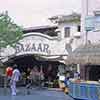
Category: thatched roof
[85,54]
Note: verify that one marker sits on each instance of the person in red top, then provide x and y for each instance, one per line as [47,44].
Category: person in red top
[9,71]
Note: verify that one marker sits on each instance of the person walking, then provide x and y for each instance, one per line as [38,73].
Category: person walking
[14,79]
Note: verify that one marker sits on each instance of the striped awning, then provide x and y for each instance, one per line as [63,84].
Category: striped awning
[85,54]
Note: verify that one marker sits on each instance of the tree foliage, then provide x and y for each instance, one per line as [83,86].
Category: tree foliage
[10,32]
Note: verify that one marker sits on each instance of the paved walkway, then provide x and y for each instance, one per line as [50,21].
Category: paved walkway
[35,94]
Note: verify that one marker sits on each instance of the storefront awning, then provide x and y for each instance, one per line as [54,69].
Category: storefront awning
[85,54]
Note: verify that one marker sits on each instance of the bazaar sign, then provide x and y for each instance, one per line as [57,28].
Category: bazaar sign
[37,43]
[32,47]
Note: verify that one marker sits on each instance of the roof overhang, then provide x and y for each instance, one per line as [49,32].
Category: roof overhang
[85,54]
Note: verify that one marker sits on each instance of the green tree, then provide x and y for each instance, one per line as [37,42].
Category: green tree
[10,32]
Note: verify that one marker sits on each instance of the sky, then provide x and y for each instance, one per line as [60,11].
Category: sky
[30,13]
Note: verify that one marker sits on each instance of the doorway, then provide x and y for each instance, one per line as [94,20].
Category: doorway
[49,68]
[94,73]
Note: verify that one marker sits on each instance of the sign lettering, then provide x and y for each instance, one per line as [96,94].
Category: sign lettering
[32,47]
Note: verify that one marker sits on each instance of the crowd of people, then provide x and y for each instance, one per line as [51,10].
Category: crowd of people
[35,76]
[31,75]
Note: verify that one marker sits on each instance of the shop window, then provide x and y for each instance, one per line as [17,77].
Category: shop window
[67,31]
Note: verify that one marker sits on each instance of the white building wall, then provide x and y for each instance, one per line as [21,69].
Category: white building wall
[73,28]
[75,42]
[61,28]
[94,37]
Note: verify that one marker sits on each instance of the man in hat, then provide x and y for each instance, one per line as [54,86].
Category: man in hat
[14,79]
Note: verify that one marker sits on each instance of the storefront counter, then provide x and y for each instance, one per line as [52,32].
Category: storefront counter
[85,90]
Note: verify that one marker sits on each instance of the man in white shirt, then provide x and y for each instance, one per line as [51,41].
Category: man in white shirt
[14,79]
